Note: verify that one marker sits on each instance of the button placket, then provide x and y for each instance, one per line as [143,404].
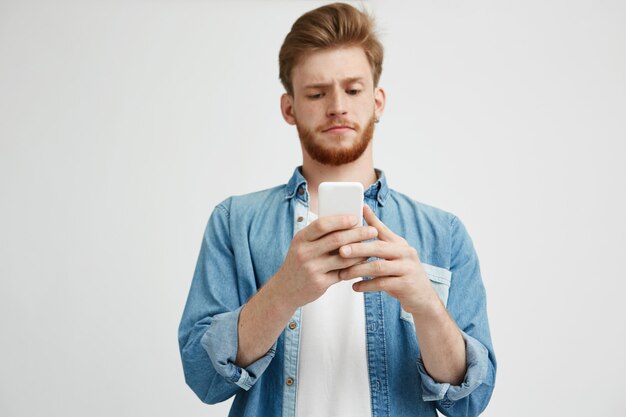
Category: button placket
[300,217]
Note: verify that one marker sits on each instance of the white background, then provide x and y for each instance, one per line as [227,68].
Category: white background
[123,123]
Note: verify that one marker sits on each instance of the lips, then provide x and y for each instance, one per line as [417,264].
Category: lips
[337,129]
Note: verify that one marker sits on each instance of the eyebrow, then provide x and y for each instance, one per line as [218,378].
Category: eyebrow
[344,81]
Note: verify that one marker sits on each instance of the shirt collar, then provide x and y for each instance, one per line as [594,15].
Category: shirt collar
[297,187]
[379,190]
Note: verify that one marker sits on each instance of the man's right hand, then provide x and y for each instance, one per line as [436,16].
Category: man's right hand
[313,263]
[311,266]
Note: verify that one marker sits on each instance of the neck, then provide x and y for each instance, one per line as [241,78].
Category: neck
[361,170]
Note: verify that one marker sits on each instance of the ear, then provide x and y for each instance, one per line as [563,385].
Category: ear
[379,102]
[286,108]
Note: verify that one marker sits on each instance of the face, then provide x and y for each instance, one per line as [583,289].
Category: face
[334,105]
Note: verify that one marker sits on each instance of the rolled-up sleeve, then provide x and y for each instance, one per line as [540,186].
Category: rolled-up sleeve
[477,359]
[467,307]
[220,342]
[208,330]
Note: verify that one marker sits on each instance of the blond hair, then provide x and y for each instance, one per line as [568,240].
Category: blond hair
[331,26]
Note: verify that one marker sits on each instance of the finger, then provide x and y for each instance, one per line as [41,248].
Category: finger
[373,269]
[375,248]
[333,241]
[326,225]
[336,263]
[387,284]
[384,233]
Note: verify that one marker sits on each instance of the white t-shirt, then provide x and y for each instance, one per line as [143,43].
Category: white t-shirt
[332,364]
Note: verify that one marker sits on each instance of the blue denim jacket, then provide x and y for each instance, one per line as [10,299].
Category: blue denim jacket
[246,241]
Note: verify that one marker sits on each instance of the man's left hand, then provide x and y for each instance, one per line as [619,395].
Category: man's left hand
[399,273]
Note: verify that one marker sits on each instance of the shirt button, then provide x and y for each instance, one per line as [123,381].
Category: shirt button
[301,190]
[293,325]
[373,327]
[290,381]
[300,218]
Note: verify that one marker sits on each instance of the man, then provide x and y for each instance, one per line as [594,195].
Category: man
[277,315]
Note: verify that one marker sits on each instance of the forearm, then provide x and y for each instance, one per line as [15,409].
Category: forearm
[261,322]
[441,345]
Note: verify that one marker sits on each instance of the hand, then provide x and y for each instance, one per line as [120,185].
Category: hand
[313,263]
[399,274]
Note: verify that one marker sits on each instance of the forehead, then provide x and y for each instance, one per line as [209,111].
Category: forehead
[330,65]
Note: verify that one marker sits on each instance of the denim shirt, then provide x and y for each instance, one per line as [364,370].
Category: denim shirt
[245,243]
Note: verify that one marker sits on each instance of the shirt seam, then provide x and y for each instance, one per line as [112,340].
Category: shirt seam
[224,209]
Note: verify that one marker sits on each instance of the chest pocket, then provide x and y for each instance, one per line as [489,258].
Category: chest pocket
[440,279]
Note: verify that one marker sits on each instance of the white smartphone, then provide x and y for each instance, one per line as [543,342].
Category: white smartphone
[340,198]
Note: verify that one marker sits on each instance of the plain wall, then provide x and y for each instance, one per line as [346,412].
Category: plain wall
[123,123]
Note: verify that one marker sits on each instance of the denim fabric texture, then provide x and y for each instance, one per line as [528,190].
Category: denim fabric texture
[245,243]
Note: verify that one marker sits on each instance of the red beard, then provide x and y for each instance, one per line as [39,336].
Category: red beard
[335,156]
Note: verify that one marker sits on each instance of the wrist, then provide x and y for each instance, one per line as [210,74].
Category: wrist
[280,296]
[430,309]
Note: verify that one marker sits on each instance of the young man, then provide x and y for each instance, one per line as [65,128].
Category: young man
[277,314]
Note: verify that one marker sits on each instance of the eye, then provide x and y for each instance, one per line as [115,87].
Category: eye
[353,91]
[315,96]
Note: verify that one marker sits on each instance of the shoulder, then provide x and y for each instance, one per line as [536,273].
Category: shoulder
[422,212]
[252,202]
[238,215]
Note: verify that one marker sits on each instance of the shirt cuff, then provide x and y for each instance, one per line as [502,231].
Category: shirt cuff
[221,343]
[477,365]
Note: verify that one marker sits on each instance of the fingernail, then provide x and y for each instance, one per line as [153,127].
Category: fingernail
[347,250]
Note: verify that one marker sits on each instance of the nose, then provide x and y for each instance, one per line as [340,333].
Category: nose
[336,104]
